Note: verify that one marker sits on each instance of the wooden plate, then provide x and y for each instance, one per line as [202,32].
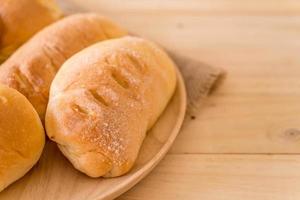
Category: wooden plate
[54,178]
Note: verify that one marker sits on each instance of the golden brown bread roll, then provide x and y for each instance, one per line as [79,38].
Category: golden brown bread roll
[22,136]
[20,19]
[104,99]
[32,67]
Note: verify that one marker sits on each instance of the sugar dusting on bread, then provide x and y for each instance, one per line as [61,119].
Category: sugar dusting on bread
[127,84]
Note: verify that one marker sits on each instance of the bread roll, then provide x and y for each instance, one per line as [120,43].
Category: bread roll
[22,136]
[32,67]
[20,19]
[104,99]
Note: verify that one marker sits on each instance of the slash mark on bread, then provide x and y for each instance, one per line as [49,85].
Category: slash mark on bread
[136,63]
[119,79]
[98,98]
[79,109]
[22,79]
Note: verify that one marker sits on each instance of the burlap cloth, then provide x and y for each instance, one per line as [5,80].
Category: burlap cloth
[199,79]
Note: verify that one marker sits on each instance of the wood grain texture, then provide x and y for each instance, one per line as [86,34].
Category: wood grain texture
[221,177]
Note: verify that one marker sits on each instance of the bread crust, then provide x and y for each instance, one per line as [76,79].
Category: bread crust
[114,92]
[21,19]
[22,136]
[33,66]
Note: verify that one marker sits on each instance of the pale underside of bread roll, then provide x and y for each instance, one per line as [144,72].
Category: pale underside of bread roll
[33,66]
[20,19]
[104,99]
[22,136]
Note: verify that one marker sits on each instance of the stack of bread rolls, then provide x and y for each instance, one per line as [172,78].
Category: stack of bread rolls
[97,90]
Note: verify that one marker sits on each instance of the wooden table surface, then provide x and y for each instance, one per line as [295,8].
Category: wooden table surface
[245,142]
